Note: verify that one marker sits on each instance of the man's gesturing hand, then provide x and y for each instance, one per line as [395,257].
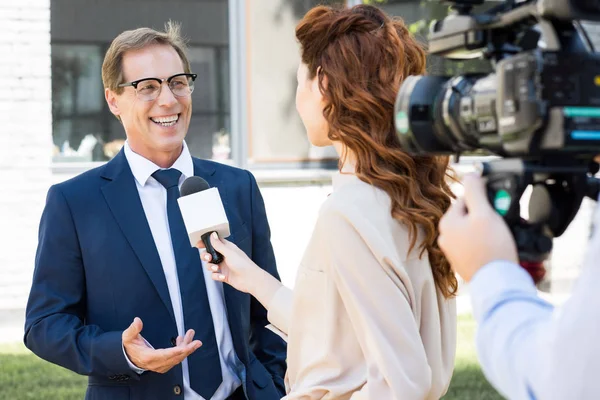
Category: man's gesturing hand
[157,360]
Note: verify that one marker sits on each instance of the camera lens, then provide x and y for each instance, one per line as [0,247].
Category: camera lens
[418,115]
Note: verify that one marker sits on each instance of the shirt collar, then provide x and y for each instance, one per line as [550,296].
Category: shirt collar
[142,168]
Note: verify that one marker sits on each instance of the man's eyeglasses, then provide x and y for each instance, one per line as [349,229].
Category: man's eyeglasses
[148,89]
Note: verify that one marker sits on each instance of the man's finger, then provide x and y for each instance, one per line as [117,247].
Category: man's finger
[177,353]
[189,336]
[170,356]
[189,349]
[161,360]
[133,330]
[475,195]
[178,358]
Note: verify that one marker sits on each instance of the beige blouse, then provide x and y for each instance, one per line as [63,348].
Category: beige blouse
[365,320]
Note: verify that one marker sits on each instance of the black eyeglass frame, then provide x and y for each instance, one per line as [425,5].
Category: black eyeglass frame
[160,81]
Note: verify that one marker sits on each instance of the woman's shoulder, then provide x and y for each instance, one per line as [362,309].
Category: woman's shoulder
[341,209]
[358,203]
[363,212]
[353,196]
[366,211]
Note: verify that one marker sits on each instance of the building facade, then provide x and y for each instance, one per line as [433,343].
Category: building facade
[56,123]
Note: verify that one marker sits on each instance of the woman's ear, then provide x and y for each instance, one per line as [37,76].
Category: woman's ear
[321,77]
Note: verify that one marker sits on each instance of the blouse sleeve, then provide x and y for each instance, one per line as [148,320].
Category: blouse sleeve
[280,309]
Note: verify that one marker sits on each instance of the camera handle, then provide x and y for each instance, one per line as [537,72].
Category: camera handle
[557,193]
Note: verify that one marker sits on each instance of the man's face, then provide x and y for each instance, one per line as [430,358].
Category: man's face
[158,126]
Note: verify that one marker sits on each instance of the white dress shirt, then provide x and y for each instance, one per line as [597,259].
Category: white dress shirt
[527,348]
[154,201]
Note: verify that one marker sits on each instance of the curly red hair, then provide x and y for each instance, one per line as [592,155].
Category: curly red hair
[366,55]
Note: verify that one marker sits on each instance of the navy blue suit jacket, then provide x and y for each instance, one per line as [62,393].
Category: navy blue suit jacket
[97,268]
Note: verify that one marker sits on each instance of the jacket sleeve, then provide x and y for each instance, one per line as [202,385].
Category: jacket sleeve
[55,326]
[269,348]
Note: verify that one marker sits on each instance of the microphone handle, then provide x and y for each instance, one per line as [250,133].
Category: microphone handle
[217,258]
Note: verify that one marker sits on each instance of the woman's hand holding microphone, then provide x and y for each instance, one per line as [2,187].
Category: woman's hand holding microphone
[239,271]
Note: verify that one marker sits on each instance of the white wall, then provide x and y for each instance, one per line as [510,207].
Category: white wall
[25,138]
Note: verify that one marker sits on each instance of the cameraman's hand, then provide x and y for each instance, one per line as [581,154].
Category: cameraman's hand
[472,239]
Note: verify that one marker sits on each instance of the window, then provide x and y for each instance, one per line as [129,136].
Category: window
[83,128]
[276,137]
[208,135]
[78,107]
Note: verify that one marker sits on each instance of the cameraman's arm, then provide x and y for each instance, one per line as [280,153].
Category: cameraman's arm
[526,347]
[513,332]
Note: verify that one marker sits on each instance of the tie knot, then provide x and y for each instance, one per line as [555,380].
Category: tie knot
[167,177]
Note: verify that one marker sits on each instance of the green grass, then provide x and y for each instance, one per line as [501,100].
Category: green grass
[468,382]
[25,376]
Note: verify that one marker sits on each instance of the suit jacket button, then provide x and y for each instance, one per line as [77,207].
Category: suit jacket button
[177,389]
[174,341]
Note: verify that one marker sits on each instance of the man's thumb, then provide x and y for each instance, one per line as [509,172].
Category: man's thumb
[133,330]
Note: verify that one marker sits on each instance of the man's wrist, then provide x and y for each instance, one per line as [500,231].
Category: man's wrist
[134,367]
[494,280]
[494,264]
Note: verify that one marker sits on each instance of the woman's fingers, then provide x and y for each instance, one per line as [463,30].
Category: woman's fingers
[213,267]
[217,244]
[217,276]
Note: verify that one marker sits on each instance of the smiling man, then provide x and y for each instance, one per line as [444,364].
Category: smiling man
[118,293]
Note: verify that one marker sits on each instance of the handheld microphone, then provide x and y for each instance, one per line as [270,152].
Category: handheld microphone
[203,214]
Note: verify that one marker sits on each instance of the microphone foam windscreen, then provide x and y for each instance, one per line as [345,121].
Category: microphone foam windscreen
[193,184]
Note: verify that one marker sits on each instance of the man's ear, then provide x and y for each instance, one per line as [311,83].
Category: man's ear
[112,101]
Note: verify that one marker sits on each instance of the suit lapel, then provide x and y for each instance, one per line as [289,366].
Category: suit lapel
[233,298]
[124,202]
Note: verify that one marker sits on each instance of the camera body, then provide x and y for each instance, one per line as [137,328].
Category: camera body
[539,109]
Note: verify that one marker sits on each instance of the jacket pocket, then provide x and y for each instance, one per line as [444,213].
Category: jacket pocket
[260,375]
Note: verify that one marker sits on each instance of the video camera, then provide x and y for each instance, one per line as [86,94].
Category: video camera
[539,109]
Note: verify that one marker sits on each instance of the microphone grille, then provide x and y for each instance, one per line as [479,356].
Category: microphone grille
[193,184]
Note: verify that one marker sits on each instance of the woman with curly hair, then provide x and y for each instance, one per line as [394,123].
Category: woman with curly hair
[372,315]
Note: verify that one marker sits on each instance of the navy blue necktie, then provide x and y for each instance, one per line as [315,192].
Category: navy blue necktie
[204,364]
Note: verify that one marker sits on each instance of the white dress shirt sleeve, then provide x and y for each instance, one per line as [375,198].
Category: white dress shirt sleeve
[529,350]
[136,369]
